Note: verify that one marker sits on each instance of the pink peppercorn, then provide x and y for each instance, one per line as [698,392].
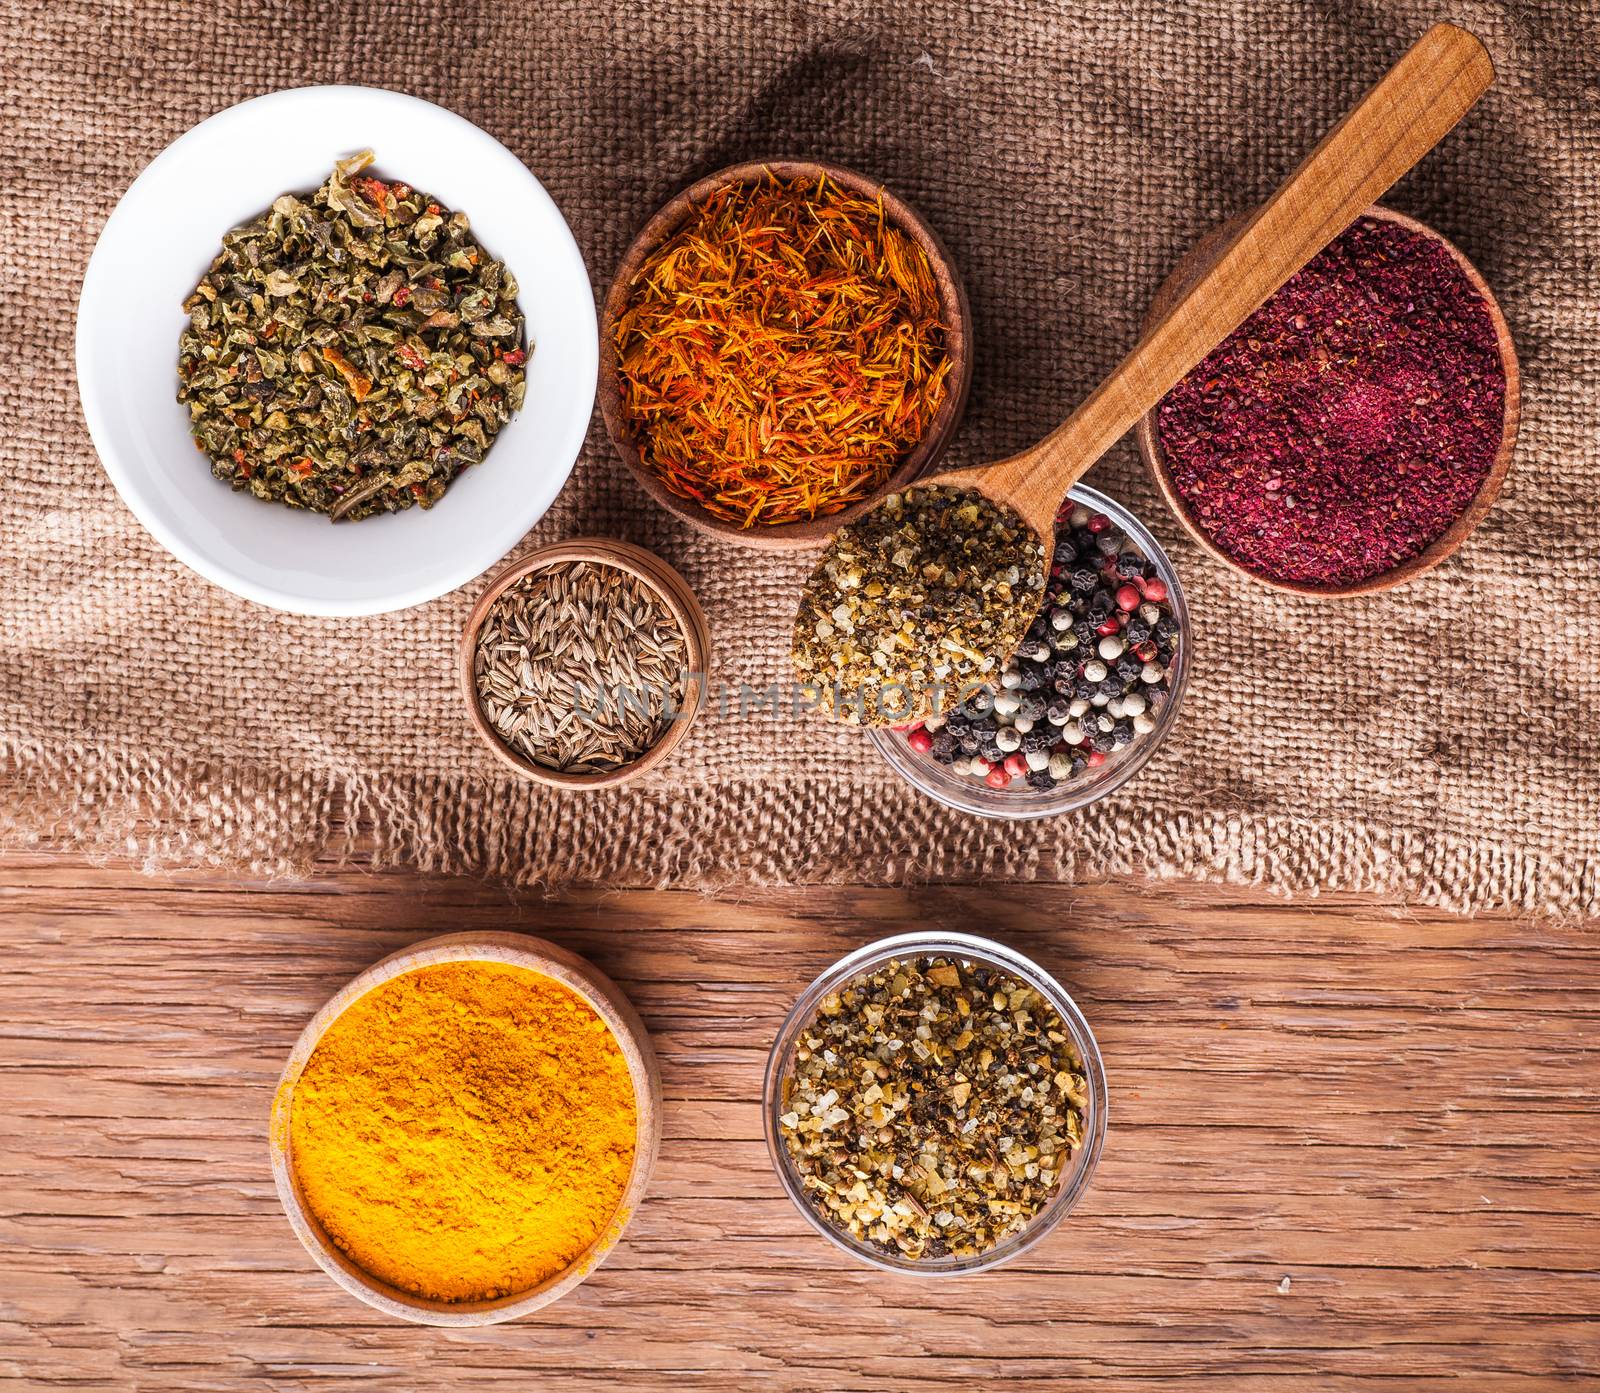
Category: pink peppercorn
[1128,598]
[1108,626]
[920,740]
[1016,765]
[1155,590]
[1098,523]
[997,777]
[1095,758]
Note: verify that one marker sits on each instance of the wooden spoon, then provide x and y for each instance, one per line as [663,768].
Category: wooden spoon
[1387,132]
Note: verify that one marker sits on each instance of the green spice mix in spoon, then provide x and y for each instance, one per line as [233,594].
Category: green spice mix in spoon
[916,604]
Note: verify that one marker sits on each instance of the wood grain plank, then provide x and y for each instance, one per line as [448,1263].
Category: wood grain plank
[1393,1111]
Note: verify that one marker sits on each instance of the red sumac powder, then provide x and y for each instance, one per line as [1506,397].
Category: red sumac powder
[1350,420]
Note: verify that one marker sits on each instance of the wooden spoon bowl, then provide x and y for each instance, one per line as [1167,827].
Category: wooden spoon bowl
[1442,547]
[515,950]
[957,316]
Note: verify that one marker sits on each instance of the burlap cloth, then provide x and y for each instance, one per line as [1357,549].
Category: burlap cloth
[1441,743]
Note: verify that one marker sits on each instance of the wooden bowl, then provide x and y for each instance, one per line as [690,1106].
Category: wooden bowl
[517,950]
[1443,546]
[958,346]
[674,592]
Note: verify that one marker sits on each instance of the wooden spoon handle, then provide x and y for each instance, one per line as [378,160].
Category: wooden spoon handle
[1387,132]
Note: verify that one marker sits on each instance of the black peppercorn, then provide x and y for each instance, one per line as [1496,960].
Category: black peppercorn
[1041,779]
[1130,564]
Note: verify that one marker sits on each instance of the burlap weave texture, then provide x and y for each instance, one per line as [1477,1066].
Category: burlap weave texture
[1441,742]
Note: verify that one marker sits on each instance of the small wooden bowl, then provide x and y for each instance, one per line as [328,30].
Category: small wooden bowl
[679,599]
[516,950]
[958,346]
[1203,254]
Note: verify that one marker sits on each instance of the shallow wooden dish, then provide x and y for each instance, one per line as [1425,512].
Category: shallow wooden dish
[952,297]
[1443,546]
[680,600]
[517,950]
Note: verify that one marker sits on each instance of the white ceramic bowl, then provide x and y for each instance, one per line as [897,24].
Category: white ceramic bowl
[159,241]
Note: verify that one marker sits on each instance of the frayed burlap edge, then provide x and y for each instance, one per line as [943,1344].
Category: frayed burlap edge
[166,815]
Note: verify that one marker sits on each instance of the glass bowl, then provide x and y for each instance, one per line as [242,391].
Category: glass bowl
[971,795]
[1074,1180]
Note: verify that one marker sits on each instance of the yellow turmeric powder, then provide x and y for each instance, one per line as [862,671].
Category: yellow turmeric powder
[465,1130]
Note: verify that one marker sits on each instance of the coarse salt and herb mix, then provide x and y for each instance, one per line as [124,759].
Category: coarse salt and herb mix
[932,1106]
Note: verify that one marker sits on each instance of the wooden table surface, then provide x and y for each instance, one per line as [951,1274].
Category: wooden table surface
[1350,1148]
